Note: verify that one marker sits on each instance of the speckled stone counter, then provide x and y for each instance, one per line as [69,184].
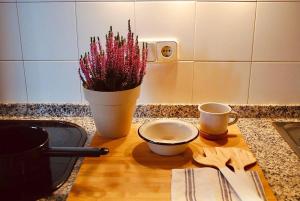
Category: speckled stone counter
[280,164]
[142,111]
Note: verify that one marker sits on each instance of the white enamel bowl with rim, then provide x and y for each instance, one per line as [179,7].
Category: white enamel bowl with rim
[168,137]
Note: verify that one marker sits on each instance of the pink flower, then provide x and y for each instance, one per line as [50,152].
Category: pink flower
[121,66]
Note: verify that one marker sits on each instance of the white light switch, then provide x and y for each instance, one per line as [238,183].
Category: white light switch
[151,51]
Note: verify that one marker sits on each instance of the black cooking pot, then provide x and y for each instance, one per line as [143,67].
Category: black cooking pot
[24,152]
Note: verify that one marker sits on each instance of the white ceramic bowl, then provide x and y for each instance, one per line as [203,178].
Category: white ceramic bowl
[168,137]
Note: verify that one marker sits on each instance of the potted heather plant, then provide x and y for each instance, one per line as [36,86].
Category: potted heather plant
[111,81]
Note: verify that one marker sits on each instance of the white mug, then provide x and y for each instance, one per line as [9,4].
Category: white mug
[214,118]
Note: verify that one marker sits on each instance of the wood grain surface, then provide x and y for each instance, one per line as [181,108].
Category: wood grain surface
[131,172]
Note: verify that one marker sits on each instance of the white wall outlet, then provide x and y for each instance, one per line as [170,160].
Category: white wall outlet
[151,50]
[166,51]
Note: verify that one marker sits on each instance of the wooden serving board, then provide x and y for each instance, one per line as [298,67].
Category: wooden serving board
[131,172]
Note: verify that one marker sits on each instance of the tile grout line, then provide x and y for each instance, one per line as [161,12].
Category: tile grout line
[29,60]
[134,16]
[194,37]
[194,49]
[192,99]
[199,61]
[252,50]
[22,54]
[78,53]
[117,1]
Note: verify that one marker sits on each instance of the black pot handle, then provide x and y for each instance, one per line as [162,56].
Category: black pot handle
[76,151]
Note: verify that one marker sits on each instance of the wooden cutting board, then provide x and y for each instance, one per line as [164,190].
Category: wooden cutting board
[131,172]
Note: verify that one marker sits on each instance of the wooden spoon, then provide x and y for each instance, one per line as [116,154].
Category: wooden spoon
[240,158]
[216,157]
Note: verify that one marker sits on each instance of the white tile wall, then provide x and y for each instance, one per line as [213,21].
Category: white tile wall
[56,82]
[48,31]
[221,82]
[94,19]
[277,32]
[168,83]
[12,82]
[37,1]
[168,20]
[216,35]
[104,0]
[224,31]
[10,47]
[226,0]
[278,0]
[277,83]
[7,1]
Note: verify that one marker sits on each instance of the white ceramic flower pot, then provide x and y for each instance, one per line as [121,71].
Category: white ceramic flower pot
[112,111]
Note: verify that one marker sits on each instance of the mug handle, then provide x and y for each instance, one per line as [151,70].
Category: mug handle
[232,113]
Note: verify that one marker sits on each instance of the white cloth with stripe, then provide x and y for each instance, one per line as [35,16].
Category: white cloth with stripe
[207,184]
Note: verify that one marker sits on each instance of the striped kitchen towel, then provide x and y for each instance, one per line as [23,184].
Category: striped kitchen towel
[207,184]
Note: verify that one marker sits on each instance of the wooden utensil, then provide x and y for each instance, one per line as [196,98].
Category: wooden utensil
[216,157]
[239,158]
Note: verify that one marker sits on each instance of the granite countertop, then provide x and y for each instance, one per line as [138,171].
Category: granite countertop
[280,164]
